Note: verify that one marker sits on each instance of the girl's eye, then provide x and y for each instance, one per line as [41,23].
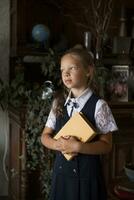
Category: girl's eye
[70,69]
[73,68]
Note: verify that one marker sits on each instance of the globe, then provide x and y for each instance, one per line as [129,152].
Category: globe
[40,33]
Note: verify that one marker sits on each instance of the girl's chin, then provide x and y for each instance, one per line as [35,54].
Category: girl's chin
[68,85]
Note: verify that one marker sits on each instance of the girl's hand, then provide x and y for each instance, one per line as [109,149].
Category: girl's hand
[58,144]
[70,145]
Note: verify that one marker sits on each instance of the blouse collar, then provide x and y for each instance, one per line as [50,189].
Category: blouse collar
[86,94]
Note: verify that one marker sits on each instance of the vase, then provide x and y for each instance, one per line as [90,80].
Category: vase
[87,40]
[123,28]
[98,47]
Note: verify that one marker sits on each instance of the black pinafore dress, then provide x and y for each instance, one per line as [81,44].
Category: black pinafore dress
[80,178]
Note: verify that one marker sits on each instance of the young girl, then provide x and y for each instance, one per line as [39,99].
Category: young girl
[80,178]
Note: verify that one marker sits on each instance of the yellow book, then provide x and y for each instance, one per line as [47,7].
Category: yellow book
[78,126]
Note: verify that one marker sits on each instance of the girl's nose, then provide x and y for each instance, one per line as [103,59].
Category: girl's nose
[66,73]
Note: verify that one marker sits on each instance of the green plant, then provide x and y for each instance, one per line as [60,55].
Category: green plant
[38,156]
[37,100]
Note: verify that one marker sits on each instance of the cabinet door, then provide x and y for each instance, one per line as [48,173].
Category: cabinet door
[123,140]
[122,153]
[16,160]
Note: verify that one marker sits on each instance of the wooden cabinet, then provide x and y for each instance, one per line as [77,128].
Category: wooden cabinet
[123,145]
[24,15]
[123,140]
[24,184]
[122,153]
[17,158]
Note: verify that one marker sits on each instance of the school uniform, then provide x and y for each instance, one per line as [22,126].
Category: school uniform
[80,178]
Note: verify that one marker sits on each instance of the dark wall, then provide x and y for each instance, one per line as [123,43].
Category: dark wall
[65,18]
[71,19]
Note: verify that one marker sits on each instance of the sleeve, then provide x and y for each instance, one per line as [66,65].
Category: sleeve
[51,120]
[104,119]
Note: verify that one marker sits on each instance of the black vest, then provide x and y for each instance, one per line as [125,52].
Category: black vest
[88,110]
[82,162]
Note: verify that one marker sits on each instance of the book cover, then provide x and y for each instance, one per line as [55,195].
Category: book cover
[77,126]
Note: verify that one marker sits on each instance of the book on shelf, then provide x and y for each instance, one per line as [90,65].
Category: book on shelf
[78,126]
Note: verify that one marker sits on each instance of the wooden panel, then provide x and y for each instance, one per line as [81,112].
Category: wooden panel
[17,173]
[122,154]
[14,152]
[123,140]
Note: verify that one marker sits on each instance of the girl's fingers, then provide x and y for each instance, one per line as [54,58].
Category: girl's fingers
[66,136]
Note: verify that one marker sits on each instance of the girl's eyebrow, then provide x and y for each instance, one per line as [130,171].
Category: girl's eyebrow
[72,65]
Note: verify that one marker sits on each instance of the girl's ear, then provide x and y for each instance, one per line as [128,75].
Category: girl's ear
[90,71]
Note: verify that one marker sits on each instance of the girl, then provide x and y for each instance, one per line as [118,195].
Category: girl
[81,178]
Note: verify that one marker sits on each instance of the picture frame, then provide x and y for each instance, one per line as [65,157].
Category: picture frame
[118,85]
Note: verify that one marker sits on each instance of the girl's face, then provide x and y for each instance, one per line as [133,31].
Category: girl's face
[74,75]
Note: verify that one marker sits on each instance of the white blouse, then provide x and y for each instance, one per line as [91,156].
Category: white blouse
[103,116]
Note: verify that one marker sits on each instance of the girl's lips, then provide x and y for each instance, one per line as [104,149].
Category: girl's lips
[68,81]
